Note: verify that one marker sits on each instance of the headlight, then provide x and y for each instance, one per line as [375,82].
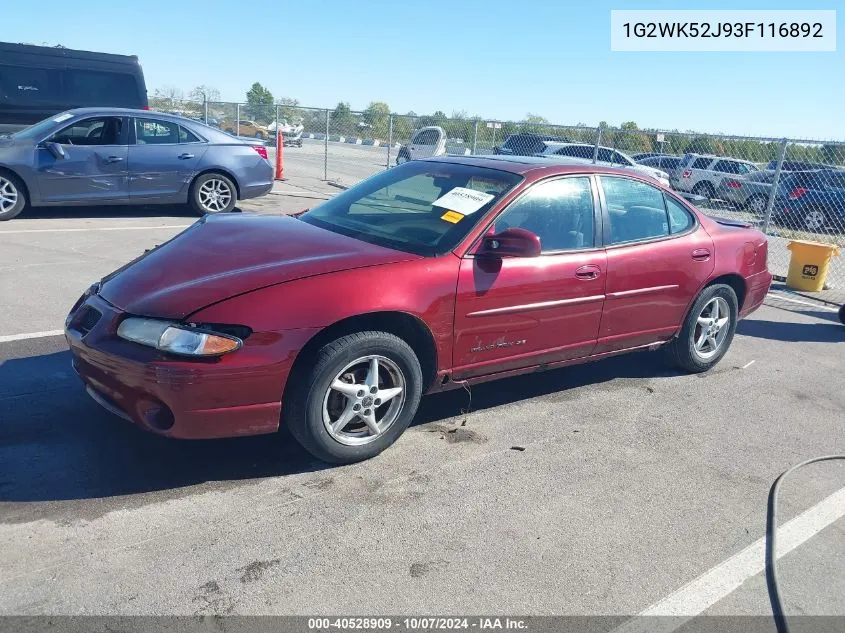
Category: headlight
[176,338]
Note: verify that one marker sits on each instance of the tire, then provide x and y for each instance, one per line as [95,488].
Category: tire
[705,189]
[842,314]
[12,196]
[348,360]
[757,204]
[229,130]
[814,220]
[682,350]
[202,199]
[403,157]
[259,135]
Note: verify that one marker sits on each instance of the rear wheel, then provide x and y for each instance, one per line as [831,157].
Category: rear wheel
[757,204]
[12,196]
[842,314]
[355,397]
[815,219]
[259,134]
[708,330]
[213,193]
[403,157]
[705,189]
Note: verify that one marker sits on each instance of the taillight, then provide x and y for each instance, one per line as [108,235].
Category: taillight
[797,193]
[145,107]
[687,173]
[733,184]
[262,151]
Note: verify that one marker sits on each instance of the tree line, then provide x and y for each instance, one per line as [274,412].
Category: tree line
[378,122]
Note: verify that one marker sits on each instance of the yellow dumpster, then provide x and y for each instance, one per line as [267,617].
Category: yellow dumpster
[808,264]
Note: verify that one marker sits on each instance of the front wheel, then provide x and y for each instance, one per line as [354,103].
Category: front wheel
[402,158]
[213,193]
[707,331]
[12,196]
[842,314]
[355,397]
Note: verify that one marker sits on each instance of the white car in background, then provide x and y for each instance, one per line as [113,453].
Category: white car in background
[429,141]
[584,152]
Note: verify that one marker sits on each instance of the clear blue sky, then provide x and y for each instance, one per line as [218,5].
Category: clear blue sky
[493,58]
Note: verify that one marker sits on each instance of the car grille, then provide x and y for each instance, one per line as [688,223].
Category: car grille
[86,319]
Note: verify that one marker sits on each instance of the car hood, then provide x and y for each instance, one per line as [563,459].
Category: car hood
[222,256]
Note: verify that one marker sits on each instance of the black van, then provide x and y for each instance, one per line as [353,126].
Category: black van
[39,81]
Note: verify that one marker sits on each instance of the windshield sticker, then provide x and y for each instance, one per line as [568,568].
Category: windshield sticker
[62,117]
[452,216]
[463,200]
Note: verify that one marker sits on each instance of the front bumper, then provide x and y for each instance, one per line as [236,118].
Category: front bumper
[234,395]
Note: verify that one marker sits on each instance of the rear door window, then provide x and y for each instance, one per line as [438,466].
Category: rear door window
[701,163]
[29,86]
[155,132]
[636,210]
[101,88]
[426,137]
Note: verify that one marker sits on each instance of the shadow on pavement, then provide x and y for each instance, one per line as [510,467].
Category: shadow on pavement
[829,332]
[56,444]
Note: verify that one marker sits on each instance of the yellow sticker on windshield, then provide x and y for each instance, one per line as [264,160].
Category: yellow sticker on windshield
[452,216]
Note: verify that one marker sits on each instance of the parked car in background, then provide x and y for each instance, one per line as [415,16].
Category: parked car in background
[37,82]
[701,174]
[462,270]
[291,132]
[662,162]
[750,191]
[641,155]
[797,165]
[813,200]
[117,156]
[605,156]
[245,128]
[526,143]
[425,142]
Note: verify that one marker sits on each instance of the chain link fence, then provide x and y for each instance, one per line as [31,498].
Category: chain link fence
[792,189]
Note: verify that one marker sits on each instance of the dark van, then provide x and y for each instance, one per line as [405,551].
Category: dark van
[39,81]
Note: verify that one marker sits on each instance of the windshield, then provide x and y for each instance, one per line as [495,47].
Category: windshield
[419,207]
[42,128]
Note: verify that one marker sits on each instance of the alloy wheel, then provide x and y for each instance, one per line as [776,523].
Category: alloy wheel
[214,195]
[364,400]
[815,220]
[8,195]
[711,328]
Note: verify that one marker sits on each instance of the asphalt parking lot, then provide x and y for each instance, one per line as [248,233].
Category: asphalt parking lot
[599,489]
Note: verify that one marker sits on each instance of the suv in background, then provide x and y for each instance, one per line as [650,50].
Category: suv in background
[527,143]
[37,82]
[702,174]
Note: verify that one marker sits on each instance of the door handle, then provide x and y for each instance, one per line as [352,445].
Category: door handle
[185,156]
[588,272]
[701,254]
[114,159]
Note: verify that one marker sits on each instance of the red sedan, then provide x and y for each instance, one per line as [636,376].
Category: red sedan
[432,275]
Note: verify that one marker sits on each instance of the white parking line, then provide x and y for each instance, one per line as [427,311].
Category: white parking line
[99,228]
[6,338]
[699,595]
[803,303]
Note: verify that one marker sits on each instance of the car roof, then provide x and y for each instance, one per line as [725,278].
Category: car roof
[125,111]
[536,165]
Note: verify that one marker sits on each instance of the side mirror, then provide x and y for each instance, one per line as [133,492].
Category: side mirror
[511,243]
[55,149]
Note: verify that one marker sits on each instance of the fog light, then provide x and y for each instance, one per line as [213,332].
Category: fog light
[156,414]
